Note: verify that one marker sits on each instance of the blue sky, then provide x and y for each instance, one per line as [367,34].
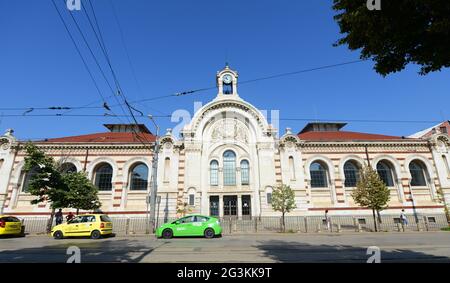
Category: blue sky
[180,45]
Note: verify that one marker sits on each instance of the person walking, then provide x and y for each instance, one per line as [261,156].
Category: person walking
[327,220]
[403,218]
[59,217]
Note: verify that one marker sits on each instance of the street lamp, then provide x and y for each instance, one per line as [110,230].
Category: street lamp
[154,188]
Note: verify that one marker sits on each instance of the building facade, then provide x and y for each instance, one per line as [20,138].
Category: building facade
[228,160]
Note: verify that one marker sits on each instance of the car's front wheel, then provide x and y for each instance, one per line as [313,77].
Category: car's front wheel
[167,234]
[209,233]
[58,235]
[95,235]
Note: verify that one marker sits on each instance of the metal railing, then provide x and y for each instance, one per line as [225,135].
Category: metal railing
[268,224]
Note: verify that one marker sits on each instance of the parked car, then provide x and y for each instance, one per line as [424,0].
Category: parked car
[10,225]
[191,225]
[86,225]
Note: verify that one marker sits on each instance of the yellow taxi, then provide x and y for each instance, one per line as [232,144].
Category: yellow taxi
[86,225]
[10,225]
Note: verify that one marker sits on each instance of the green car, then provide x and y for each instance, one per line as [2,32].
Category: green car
[191,225]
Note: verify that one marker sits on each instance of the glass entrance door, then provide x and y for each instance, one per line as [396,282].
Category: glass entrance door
[230,206]
[214,205]
[246,207]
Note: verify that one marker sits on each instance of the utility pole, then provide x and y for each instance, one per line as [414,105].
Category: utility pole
[154,188]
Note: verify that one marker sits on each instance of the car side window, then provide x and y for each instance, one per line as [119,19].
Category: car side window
[188,219]
[202,219]
[75,220]
[86,219]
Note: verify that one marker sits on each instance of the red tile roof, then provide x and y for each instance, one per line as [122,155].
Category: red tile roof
[344,136]
[108,137]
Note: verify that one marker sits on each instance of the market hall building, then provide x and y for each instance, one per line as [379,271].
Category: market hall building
[228,160]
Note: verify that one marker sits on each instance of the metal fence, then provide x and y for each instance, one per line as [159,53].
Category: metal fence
[295,224]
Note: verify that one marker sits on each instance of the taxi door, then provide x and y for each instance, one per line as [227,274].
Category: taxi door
[86,225]
[184,227]
[73,227]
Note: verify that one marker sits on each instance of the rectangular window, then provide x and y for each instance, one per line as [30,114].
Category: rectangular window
[191,199]
[269,198]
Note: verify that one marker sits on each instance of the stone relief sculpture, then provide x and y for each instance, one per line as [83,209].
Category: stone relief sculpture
[229,129]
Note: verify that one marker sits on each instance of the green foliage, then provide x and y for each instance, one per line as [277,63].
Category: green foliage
[82,193]
[61,190]
[371,191]
[283,199]
[402,32]
[46,184]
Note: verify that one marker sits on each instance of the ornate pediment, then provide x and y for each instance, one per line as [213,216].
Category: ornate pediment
[229,129]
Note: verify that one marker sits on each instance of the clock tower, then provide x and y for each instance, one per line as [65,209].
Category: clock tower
[227,83]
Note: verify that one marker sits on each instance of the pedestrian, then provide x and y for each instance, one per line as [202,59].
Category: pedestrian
[70,216]
[59,217]
[327,220]
[403,218]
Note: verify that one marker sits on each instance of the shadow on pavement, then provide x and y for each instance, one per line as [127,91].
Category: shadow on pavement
[126,251]
[284,251]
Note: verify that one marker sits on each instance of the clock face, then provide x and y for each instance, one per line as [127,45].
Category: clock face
[227,79]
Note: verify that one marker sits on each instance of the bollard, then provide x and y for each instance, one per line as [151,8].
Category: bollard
[306,224]
[318,228]
[127,226]
[419,228]
[339,228]
[359,228]
[427,227]
[231,226]
[256,225]
[399,228]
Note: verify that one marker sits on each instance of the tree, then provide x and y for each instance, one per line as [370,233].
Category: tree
[184,209]
[402,32]
[371,192]
[46,183]
[283,200]
[82,194]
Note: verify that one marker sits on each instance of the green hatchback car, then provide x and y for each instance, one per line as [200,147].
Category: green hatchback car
[191,225]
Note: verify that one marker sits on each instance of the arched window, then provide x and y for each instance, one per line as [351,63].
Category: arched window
[229,168]
[292,167]
[139,177]
[27,176]
[68,167]
[167,169]
[214,173]
[319,175]
[103,177]
[447,166]
[417,170]
[386,173]
[245,172]
[351,173]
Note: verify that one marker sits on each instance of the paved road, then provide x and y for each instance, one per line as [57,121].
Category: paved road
[395,247]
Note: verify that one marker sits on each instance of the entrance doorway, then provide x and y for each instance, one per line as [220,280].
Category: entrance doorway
[214,205]
[246,207]
[230,206]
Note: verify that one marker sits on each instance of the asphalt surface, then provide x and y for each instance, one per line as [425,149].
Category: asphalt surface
[394,247]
